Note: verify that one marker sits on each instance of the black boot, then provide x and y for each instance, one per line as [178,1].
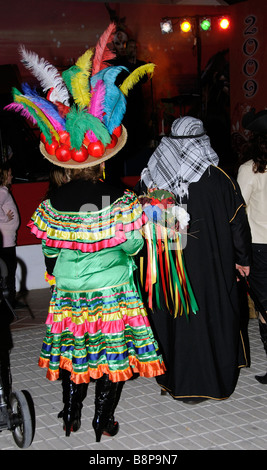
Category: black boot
[73,396]
[263,334]
[107,394]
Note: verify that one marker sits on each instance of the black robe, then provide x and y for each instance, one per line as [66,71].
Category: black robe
[203,354]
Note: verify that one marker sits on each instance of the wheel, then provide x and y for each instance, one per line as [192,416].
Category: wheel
[22,418]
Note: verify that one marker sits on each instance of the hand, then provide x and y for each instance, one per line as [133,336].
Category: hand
[10,215]
[243,270]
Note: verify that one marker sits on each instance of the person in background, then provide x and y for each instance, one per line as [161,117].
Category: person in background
[252,179]
[119,43]
[9,224]
[203,350]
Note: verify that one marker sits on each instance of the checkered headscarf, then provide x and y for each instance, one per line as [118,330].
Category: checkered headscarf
[181,158]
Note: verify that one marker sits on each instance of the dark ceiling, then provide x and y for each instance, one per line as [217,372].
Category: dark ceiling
[173,2]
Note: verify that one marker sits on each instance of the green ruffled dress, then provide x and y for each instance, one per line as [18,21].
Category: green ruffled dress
[97,323]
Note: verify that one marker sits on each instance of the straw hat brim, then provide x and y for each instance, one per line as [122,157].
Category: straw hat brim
[91,161]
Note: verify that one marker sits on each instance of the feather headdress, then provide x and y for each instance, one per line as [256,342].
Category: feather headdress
[46,74]
[77,79]
[115,102]
[136,76]
[44,124]
[77,123]
[96,107]
[102,52]
[80,119]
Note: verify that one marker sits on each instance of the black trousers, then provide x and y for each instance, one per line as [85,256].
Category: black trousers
[258,272]
[8,255]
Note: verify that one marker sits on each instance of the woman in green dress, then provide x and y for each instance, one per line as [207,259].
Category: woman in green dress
[97,326]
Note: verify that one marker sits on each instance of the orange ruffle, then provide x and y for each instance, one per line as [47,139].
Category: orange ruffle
[144,370]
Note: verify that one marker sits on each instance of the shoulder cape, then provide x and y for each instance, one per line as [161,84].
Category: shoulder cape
[88,231]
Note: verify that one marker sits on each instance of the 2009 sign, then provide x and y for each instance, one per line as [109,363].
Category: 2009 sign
[251,65]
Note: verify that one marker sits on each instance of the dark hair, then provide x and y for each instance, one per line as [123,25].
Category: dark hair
[255,149]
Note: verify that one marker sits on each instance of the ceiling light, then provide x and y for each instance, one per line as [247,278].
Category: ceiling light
[166,26]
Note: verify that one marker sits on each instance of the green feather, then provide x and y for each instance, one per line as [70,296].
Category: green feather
[42,126]
[78,122]
[68,75]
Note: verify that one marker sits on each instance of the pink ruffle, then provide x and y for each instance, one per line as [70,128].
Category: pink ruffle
[93,247]
[107,327]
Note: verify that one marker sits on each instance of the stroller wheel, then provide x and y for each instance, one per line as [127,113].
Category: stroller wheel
[22,418]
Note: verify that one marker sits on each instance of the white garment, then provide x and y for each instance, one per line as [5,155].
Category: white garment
[8,228]
[254,190]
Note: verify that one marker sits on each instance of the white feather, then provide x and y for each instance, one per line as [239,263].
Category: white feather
[46,74]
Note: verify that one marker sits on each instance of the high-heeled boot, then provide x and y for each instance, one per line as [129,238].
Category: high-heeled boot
[73,397]
[111,421]
[263,334]
[106,400]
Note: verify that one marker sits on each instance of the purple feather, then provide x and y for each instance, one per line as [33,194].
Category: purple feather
[48,108]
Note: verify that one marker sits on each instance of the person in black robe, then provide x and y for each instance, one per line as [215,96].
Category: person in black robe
[203,354]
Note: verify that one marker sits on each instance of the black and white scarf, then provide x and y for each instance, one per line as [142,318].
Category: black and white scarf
[181,158]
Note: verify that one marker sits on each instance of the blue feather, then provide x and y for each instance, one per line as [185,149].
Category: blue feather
[48,108]
[115,101]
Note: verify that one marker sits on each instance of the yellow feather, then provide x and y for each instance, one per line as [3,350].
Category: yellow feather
[135,76]
[80,81]
[80,89]
[85,61]
[23,99]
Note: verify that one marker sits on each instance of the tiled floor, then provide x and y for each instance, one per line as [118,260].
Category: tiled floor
[148,421]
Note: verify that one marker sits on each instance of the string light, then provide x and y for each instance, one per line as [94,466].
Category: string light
[185,26]
[205,24]
[166,27]
[224,23]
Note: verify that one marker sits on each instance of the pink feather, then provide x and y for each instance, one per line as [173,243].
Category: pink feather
[18,107]
[96,106]
[102,52]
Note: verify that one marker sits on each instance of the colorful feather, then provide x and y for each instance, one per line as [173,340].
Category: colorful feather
[102,52]
[47,75]
[80,89]
[96,107]
[84,62]
[68,74]
[77,79]
[78,121]
[115,101]
[135,77]
[48,108]
[42,121]
[19,108]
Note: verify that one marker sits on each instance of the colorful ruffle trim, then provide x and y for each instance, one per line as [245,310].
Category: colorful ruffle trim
[82,325]
[88,232]
[151,369]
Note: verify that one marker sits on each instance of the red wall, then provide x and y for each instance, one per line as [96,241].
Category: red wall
[28,197]
[248,63]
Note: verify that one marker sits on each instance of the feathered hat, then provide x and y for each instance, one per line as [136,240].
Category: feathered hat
[80,117]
